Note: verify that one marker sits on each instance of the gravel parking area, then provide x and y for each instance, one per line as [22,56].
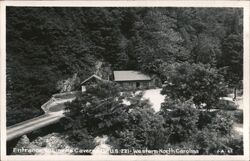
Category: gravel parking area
[155,98]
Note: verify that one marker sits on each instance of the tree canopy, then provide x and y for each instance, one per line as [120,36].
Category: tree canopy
[201,83]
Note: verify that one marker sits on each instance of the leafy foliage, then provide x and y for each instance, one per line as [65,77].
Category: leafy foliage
[145,130]
[222,123]
[135,125]
[232,58]
[100,109]
[199,82]
[181,118]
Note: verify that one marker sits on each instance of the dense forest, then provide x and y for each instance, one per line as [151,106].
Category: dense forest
[200,50]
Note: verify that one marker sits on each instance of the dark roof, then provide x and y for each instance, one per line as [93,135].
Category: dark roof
[93,76]
[130,75]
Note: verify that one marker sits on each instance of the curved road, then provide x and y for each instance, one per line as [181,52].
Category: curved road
[27,126]
[46,119]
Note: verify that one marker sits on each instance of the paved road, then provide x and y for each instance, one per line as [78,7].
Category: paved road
[48,118]
[27,126]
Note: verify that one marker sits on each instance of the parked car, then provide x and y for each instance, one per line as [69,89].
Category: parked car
[227,103]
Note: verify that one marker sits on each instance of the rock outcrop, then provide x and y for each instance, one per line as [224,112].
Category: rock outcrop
[102,148]
[51,144]
[58,144]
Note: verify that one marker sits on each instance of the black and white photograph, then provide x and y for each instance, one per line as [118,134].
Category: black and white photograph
[125,81]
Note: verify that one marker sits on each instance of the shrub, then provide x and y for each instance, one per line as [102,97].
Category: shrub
[181,118]
[237,145]
[125,140]
[226,105]
[205,118]
[207,141]
[145,130]
[222,122]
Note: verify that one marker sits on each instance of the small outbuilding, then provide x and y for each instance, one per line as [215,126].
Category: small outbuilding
[93,79]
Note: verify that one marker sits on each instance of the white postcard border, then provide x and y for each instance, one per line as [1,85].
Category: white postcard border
[241,4]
